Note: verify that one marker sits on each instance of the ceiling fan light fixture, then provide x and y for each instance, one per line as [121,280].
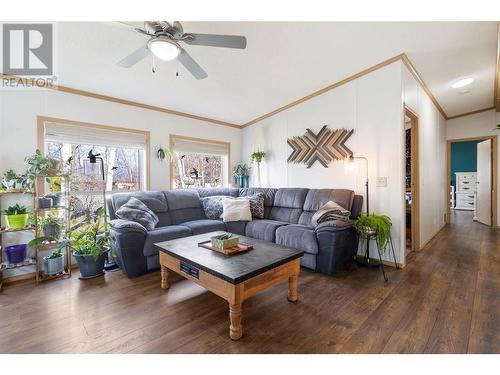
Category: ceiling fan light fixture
[462,82]
[164,49]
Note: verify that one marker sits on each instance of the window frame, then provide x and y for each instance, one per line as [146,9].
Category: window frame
[173,137]
[145,164]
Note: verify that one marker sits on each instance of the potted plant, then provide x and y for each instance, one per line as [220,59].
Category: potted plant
[54,263]
[11,181]
[256,158]
[16,216]
[51,226]
[91,246]
[375,225]
[38,164]
[240,174]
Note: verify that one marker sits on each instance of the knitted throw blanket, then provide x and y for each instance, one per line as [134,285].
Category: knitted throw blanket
[330,211]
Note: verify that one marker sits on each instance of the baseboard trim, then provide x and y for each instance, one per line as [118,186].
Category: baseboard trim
[427,242]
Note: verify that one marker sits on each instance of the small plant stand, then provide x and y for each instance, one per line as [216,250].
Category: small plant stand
[29,263]
[62,209]
[366,259]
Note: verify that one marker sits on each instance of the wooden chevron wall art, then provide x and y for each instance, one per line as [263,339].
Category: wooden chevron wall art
[326,146]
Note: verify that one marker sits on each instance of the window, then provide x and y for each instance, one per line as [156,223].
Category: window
[124,161]
[199,163]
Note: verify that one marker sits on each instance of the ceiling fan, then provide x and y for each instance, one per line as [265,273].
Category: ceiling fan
[164,43]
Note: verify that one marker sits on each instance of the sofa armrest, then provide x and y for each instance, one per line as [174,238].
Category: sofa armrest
[127,243]
[337,247]
[334,226]
[123,226]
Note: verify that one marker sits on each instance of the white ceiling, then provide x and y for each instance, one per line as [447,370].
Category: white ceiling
[282,62]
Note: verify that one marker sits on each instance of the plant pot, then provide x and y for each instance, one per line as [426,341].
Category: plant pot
[89,267]
[16,253]
[243,181]
[44,202]
[53,266]
[16,221]
[52,231]
[56,199]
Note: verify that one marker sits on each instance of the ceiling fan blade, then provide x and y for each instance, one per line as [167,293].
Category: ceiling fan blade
[132,27]
[191,65]
[213,40]
[134,57]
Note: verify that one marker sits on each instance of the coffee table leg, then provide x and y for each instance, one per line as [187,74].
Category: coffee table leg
[292,288]
[235,329]
[164,277]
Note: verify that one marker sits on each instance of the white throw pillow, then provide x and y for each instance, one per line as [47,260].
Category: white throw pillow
[236,209]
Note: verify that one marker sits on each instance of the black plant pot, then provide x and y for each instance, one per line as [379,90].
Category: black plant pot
[89,267]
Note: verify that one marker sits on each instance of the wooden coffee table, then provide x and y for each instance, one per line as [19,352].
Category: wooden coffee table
[232,277]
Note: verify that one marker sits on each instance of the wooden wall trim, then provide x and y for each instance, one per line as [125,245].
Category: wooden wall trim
[113,99]
[41,120]
[496,93]
[470,113]
[326,89]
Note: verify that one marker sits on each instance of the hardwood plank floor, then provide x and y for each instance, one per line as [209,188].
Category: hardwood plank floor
[447,300]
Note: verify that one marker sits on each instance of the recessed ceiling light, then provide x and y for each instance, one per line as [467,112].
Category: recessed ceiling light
[462,82]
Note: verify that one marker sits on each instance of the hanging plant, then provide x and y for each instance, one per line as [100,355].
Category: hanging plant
[163,154]
[257,156]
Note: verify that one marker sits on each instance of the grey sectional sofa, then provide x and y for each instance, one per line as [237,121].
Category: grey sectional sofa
[288,213]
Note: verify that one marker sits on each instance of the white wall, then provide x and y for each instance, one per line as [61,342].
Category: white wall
[371,105]
[19,109]
[432,157]
[478,125]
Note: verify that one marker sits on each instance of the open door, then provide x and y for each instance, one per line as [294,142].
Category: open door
[483,194]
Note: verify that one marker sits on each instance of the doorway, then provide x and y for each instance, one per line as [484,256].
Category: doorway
[412,232]
[472,176]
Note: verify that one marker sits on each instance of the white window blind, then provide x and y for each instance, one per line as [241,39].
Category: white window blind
[76,134]
[181,145]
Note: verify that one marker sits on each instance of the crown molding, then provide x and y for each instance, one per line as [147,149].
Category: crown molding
[113,99]
[470,113]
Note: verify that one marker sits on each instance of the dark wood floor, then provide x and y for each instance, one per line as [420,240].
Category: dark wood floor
[447,300]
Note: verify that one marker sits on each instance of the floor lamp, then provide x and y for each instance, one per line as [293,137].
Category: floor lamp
[350,166]
[94,166]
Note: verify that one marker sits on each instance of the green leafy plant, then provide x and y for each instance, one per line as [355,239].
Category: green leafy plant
[15,210]
[95,239]
[56,254]
[51,220]
[241,170]
[257,156]
[163,154]
[38,164]
[12,180]
[380,225]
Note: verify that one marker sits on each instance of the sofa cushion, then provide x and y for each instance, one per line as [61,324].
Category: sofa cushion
[204,226]
[154,200]
[164,234]
[256,205]
[288,204]
[184,205]
[210,192]
[135,210]
[318,197]
[298,237]
[212,206]
[236,209]
[263,229]
[269,194]
[236,227]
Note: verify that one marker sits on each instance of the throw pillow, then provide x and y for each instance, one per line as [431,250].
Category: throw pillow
[236,209]
[256,205]
[212,206]
[137,211]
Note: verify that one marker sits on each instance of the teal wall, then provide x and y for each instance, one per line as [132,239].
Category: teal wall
[463,158]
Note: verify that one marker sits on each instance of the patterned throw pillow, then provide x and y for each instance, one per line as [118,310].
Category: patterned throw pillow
[256,205]
[137,211]
[212,206]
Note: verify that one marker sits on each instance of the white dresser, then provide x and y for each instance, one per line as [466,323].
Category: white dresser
[465,191]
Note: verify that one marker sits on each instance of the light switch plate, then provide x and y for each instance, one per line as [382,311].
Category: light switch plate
[381,181]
